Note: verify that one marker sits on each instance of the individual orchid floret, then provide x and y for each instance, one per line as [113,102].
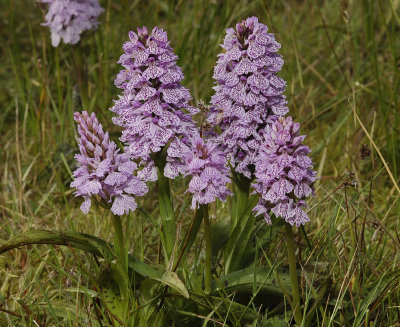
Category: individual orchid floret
[103,172]
[284,175]
[68,19]
[208,167]
[247,92]
[150,108]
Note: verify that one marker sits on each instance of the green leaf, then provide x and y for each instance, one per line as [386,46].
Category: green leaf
[112,299]
[149,314]
[275,322]
[193,234]
[242,281]
[148,291]
[239,238]
[80,241]
[220,234]
[171,279]
[225,305]
[240,197]
[261,236]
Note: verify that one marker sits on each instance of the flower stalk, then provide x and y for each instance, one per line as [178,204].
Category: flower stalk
[119,242]
[167,214]
[241,198]
[207,238]
[293,273]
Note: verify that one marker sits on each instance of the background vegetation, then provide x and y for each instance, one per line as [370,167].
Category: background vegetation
[342,61]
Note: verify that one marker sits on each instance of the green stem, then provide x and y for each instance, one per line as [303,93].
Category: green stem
[119,243]
[241,198]
[293,274]
[207,237]
[167,214]
[120,270]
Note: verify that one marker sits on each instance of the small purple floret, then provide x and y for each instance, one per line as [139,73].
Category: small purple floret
[68,19]
[150,108]
[104,171]
[208,167]
[284,175]
[248,92]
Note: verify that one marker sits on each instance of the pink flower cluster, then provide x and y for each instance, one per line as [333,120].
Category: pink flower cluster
[150,109]
[208,167]
[284,175]
[68,19]
[248,91]
[103,171]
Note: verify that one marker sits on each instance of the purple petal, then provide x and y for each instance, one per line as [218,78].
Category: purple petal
[123,204]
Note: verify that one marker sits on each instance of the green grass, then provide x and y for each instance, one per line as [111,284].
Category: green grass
[342,65]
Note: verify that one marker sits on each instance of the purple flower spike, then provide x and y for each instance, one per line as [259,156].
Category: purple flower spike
[208,167]
[284,175]
[104,171]
[248,92]
[68,19]
[150,108]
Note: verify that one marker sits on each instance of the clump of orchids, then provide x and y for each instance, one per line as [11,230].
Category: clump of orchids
[251,150]
[251,141]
